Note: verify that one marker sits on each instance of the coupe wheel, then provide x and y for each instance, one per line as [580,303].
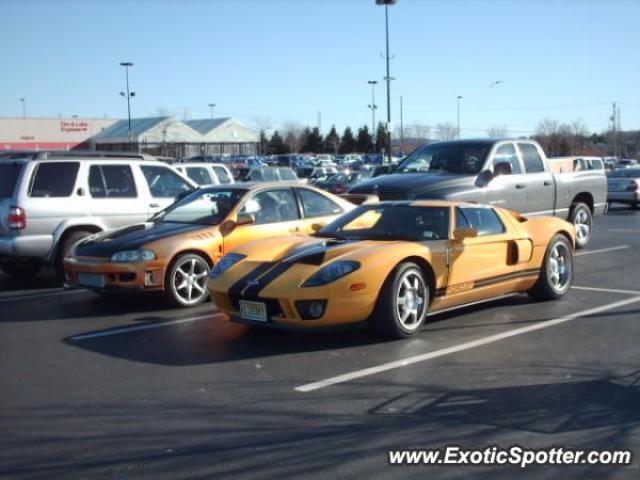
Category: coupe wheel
[556,274]
[186,282]
[583,222]
[403,303]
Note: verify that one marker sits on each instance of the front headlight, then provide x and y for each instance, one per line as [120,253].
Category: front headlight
[225,264]
[132,256]
[331,273]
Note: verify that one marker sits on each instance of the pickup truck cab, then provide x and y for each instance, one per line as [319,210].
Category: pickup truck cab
[513,174]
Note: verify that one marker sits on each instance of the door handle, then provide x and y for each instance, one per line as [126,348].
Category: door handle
[547,183]
[154,205]
[520,185]
[294,229]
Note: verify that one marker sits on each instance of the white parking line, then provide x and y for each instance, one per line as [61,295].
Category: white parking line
[628,230]
[608,290]
[347,377]
[601,250]
[35,296]
[147,326]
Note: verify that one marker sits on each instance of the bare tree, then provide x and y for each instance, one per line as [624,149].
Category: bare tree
[446,131]
[292,134]
[580,135]
[498,131]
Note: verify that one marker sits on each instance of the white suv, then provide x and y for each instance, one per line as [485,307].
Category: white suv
[50,200]
[205,174]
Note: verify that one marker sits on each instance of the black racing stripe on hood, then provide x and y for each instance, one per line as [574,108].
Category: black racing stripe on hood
[259,284]
[236,288]
[314,254]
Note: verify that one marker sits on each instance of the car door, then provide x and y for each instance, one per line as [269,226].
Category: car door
[508,191]
[540,186]
[316,208]
[163,186]
[482,261]
[113,196]
[275,212]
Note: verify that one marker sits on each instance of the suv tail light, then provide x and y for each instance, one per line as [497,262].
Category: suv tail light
[633,186]
[17,218]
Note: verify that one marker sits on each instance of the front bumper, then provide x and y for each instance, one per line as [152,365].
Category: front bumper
[114,277]
[624,197]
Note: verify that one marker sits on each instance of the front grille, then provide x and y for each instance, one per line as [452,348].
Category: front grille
[383,193]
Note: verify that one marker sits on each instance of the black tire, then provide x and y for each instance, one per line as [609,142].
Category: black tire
[582,219]
[21,269]
[545,288]
[386,318]
[64,249]
[633,206]
[178,297]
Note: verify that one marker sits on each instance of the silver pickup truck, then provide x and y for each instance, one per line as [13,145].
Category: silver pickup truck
[512,174]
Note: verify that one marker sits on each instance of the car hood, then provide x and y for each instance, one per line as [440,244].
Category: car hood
[411,182]
[131,237]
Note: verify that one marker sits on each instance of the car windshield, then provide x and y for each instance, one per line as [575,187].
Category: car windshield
[458,158]
[390,222]
[629,173]
[203,207]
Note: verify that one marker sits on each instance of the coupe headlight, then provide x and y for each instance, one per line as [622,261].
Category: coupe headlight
[225,264]
[331,273]
[131,256]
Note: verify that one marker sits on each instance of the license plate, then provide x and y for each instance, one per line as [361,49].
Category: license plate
[91,280]
[256,311]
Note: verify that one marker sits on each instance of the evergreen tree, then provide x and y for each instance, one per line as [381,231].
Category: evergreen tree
[348,143]
[313,142]
[381,138]
[263,142]
[276,145]
[364,143]
[332,141]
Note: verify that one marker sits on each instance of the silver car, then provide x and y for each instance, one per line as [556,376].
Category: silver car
[51,200]
[623,186]
[205,174]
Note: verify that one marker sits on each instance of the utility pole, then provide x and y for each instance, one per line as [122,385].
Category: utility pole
[211,107]
[128,96]
[458,107]
[319,122]
[614,121]
[24,107]
[386,4]
[373,107]
[401,130]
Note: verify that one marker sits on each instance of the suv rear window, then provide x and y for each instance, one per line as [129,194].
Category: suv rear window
[54,179]
[9,173]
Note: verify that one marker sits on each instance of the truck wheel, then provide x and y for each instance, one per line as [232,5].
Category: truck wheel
[64,249]
[582,219]
[402,304]
[185,284]
[21,269]
[556,273]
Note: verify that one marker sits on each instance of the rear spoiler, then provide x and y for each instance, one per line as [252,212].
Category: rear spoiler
[359,198]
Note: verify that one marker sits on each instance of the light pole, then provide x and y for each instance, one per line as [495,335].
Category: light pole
[386,4]
[128,96]
[458,98]
[24,107]
[401,131]
[373,107]
[211,107]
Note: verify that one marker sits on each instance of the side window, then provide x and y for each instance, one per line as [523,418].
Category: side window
[461,221]
[113,181]
[315,204]
[200,175]
[532,161]
[163,182]
[272,206]
[485,220]
[54,179]
[507,153]
[222,174]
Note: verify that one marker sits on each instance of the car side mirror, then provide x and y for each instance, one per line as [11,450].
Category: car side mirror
[460,234]
[245,219]
[502,168]
[316,227]
[484,178]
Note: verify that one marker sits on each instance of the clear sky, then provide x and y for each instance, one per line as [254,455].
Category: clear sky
[285,60]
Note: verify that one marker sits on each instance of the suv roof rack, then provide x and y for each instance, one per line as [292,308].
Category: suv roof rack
[76,154]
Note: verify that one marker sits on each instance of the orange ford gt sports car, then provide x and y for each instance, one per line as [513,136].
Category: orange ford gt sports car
[174,251]
[391,263]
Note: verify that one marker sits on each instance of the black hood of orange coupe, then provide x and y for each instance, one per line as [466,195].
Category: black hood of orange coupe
[132,237]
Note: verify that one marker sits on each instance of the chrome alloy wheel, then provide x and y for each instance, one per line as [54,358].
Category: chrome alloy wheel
[582,222]
[189,280]
[559,267]
[410,299]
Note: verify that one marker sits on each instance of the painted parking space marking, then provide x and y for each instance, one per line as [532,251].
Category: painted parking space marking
[627,230]
[357,374]
[601,250]
[608,290]
[35,296]
[147,326]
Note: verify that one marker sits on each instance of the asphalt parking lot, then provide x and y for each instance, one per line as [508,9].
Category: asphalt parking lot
[99,388]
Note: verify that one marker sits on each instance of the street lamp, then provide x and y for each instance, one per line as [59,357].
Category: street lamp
[459,97]
[373,107]
[24,107]
[212,106]
[128,96]
[386,4]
